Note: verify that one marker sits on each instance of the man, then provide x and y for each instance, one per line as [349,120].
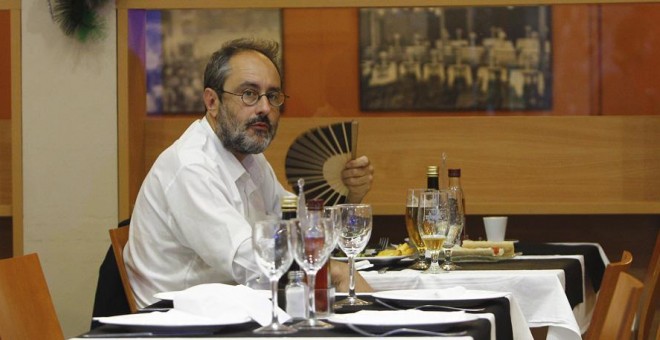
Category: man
[192,219]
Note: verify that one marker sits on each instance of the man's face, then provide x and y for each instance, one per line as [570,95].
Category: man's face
[247,129]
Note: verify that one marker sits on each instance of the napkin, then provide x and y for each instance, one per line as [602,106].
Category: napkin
[364,264]
[213,299]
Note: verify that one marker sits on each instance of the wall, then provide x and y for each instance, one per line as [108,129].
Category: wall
[70,157]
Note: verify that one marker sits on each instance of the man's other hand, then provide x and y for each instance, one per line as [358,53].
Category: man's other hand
[357,176]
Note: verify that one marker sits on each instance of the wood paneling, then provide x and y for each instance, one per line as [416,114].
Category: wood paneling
[511,165]
[5,167]
[5,65]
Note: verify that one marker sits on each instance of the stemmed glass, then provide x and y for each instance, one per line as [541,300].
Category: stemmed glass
[312,243]
[271,246]
[456,224]
[432,223]
[411,227]
[354,224]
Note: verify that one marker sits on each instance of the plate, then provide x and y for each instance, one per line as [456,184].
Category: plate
[447,294]
[376,260]
[399,318]
[174,319]
[170,295]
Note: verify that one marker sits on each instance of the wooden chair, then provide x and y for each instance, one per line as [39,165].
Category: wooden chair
[26,308]
[621,313]
[119,238]
[605,293]
[650,295]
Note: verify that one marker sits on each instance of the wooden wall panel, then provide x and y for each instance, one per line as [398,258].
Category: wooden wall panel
[630,52]
[5,166]
[5,65]
[511,165]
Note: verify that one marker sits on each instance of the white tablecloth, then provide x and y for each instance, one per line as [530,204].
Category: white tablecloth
[539,293]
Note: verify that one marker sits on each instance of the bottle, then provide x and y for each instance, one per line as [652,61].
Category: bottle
[289,205]
[297,295]
[322,285]
[457,199]
[432,181]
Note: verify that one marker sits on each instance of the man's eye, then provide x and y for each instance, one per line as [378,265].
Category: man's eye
[250,93]
[273,95]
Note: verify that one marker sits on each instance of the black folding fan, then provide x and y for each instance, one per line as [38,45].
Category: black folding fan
[318,156]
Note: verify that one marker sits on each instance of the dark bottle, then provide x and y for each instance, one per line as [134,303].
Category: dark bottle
[432,181]
[323,281]
[289,212]
[457,198]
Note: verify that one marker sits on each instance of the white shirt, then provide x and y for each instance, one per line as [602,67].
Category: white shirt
[192,219]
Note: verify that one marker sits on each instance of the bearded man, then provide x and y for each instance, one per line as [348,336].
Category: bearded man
[193,217]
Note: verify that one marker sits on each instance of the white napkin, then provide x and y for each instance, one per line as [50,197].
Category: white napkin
[213,299]
[364,264]
[172,318]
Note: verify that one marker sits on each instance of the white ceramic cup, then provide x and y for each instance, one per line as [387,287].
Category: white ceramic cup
[495,228]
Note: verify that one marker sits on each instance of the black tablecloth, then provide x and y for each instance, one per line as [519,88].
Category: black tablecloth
[478,329]
[593,262]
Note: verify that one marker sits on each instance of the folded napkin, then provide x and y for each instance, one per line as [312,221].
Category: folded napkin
[364,264]
[210,300]
[172,318]
[503,248]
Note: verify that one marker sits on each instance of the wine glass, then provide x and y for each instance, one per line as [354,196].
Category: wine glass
[456,224]
[411,227]
[312,242]
[271,246]
[354,225]
[432,223]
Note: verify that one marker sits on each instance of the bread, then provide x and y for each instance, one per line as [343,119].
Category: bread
[503,248]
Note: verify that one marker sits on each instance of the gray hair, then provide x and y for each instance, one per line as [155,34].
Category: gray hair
[217,69]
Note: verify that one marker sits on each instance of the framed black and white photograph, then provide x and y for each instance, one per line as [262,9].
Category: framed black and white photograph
[179,43]
[455,58]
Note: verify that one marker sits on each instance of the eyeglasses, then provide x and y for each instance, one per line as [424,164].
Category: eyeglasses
[252,97]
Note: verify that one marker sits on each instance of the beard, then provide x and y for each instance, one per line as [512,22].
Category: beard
[235,136]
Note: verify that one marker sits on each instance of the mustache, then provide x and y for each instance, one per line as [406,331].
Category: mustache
[260,119]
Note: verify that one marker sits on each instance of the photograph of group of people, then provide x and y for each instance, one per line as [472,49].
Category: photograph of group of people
[457,58]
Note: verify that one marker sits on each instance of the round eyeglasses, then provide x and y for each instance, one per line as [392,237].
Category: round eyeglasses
[252,97]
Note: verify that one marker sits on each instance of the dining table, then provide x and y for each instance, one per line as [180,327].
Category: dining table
[544,285]
[554,283]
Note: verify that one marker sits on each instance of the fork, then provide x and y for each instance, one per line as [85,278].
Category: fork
[425,307]
[383,243]
[404,330]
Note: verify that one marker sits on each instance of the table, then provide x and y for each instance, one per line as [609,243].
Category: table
[561,298]
[495,322]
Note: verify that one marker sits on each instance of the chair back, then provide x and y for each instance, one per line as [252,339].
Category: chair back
[605,293]
[621,313]
[119,238]
[650,295]
[26,307]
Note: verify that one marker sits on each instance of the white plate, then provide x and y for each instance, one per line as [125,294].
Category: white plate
[376,260]
[170,295]
[399,318]
[173,318]
[448,294]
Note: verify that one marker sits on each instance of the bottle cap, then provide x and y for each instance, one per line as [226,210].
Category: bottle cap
[289,202]
[454,172]
[315,204]
[432,170]
[296,274]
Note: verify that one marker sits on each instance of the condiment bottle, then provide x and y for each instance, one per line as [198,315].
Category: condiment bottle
[297,295]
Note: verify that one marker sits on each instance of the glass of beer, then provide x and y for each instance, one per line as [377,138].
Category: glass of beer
[411,227]
[432,224]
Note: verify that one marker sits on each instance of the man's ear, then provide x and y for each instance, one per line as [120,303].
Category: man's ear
[211,101]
